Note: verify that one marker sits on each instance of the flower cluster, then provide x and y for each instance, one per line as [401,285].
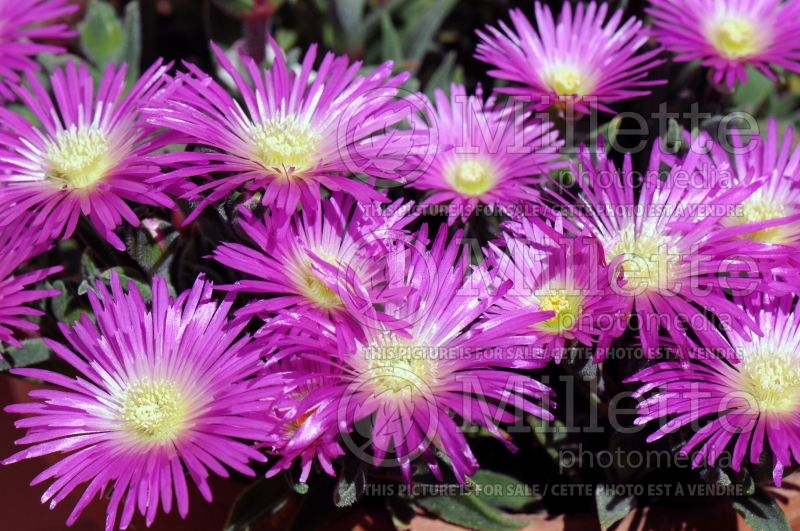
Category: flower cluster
[350,324]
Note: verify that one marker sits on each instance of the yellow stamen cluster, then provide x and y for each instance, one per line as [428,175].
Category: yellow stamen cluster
[286,145]
[567,81]
[316,290]
[567,308]
[398,369]
[472,177]
[154,410]
[78,157]
[772,378]
[735,37]
[757,208]
[648,259]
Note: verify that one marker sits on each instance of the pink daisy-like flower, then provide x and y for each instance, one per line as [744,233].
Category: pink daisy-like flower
[329,264]
[18,246]
[728,35]
[747,404]
[666,244]
[555,273]
[22,26]
[301,413]
[487,154]
[89,153]
[161,391]
[297,131]
[404,392]
[583,60]
[770,216]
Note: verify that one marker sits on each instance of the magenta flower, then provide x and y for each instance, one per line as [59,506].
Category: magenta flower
[298,131]
[550,272]
[301,414]
[583,60]
[665,243]
[402,390]
[747,405]
[22,26]
[18,246]
[328,264]
[161,392]
[728,35]
[487,154]
[770,217]
[89,154]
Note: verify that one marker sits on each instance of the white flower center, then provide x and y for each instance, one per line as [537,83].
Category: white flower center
[772,377]
[472,177]
[567,81]
[154,410]
[759,207]
[316,290]
[648,258]
[398,369]
[735,37]
[78,157]
[286,145]
[308,281]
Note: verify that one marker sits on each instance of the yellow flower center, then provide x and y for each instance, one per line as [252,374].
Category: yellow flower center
[316,290]
[567,307]
[154,410]
[286,145]
[772,378]
[567,81]
[78,157]
[759,207]
[735,38]
[472,177]
[399,369]
[648,260]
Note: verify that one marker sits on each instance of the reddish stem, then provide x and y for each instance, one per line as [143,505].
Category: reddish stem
[254,26]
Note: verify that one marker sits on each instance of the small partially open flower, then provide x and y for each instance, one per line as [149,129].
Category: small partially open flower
[88,154]
[160,392]
[584,60]
[304,406]
[728,35]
